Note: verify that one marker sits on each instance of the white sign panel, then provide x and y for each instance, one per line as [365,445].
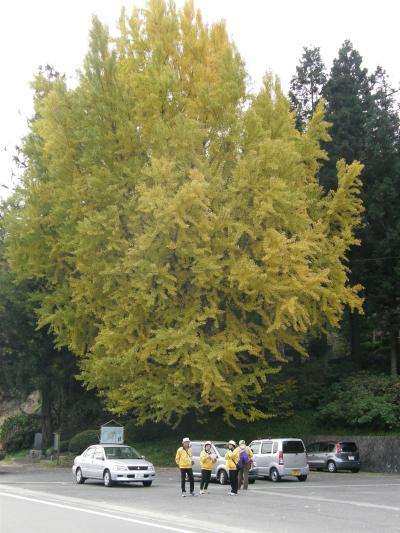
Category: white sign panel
[111,435]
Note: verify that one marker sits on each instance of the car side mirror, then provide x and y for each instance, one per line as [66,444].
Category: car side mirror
[143,457]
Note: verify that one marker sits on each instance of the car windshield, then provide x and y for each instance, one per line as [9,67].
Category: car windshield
[293,446]
[221,448]
[119,452]
[348,446]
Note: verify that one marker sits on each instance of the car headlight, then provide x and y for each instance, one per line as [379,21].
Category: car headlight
[122,467]
[151,467]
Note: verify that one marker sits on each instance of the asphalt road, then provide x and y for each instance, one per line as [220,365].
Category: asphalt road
[36,499]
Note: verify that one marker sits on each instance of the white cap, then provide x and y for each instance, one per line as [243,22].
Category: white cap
[232,442]
[186,439]
[207,443]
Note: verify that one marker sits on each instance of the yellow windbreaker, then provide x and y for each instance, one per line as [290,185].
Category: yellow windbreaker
[184,457]
[232,459]
[206,463]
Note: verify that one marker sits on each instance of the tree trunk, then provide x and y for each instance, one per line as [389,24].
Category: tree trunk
[47,426]
[393,352]
[354,324]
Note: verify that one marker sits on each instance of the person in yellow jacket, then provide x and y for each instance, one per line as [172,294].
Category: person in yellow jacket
[207,460]
[232,460]
[245,461]
[184,460]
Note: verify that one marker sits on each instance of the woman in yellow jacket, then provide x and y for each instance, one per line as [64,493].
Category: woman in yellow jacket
[232,460]
[184,460]
[207,459]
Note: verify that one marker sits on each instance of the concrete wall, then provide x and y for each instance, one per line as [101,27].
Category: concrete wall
[378,454]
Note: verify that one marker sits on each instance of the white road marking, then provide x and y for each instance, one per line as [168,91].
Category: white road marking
[38,483]
[98,513]
[328,500]
[309,485]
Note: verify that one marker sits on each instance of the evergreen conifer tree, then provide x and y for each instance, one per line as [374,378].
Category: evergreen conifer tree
[306,85]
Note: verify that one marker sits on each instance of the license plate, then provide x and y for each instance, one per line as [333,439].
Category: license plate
[296,472]
[351,457]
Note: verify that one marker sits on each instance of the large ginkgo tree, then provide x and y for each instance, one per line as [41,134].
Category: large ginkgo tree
[175,221]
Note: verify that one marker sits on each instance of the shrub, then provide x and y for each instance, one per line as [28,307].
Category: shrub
[2,455]
[82,440]
[17,432]
[363,400]
[64,445]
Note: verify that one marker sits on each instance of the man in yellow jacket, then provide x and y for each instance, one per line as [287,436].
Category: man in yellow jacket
[184,460]
[207,460]
[232,460]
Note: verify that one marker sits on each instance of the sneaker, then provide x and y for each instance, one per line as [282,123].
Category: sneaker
[202,491]
[232,494]
[183,494]
[193,494]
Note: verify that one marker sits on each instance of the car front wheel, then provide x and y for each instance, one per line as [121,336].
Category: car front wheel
[252,481]
[274,475]
[78,476]
[355,470]
[107,479]
[222,477]
[331,467]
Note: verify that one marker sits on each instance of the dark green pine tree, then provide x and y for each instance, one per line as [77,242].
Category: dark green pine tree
[348,100]
[381,232]
[365,127]
[306,85]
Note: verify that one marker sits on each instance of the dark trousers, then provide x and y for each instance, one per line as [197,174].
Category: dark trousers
[189,472]
[205,479]
[233,478]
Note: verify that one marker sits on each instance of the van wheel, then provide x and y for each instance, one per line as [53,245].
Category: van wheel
[302,478]
[355,470]
[78,476]
[274,475]
[331,467]
[252,481]
[222,477]
[108,482]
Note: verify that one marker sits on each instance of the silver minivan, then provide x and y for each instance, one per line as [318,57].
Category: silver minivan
[219,471]
[277,458]
[334,455]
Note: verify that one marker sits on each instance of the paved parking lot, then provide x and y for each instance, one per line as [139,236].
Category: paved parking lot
[341,502]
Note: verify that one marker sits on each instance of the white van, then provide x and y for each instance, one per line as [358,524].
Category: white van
[276,458]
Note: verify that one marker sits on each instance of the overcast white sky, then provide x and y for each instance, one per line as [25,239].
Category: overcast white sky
[270,35]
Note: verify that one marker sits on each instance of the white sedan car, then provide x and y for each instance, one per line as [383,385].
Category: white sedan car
[113,463]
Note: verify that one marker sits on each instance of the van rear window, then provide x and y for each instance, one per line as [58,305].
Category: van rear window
[293,446]
[348,446]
